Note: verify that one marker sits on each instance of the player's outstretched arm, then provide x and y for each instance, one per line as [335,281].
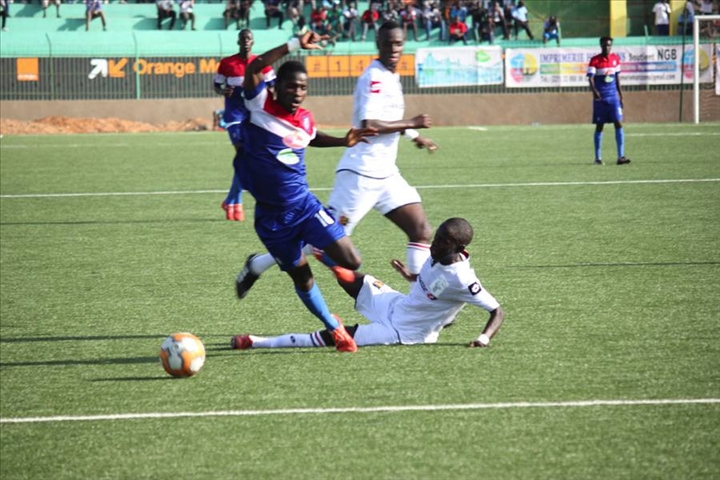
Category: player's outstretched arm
[403,270]
[351,138]
[254,72]
[423,142]
[497,317]
[385,126]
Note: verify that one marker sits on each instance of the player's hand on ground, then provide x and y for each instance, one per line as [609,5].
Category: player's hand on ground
[476,343]
[357,135]
[422,121]
[311,40]
[403,271]
[422,142]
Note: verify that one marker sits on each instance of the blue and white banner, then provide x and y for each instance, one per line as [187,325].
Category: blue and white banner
[457,66]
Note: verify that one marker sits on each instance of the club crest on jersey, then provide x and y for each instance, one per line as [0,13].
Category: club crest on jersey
[378,284]
[295,140]
[474,288]
[344,220]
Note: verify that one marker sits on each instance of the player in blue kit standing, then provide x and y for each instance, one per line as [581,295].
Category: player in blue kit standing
[228,82]
[272,165]
[604,78]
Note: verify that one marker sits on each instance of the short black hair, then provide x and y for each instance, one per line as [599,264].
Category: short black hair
[605,39]
[459,231]
[388,25]
[289,69]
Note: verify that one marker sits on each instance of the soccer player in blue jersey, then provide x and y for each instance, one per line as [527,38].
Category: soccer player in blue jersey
[228,82]
[604,78]
[287,215]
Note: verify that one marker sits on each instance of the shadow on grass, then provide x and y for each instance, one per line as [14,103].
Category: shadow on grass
[97,361]
[94,338]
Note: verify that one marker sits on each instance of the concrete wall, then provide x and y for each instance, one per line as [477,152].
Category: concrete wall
[487,109]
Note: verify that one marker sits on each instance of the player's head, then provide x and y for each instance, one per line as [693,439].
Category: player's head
[451,238]
[291,85]
[246,40]
[606,45]
[390,43]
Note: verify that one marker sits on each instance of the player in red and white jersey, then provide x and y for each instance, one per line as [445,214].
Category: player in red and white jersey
[446,284]
[228,82]
[604,78]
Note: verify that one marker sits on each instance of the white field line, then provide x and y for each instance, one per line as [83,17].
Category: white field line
[389,409]
[108,145]
[677,134]
[324,189]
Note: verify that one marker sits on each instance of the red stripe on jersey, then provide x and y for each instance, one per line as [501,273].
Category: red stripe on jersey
[301,118]
[419,246]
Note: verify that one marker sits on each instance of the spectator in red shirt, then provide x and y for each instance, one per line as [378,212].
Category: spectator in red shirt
[457,31]
[369,20]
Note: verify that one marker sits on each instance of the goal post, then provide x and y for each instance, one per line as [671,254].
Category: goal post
[696,62]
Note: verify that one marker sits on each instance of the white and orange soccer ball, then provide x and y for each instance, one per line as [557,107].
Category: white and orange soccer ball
[182,354]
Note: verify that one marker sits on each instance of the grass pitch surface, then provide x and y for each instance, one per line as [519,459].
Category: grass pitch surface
[610,278]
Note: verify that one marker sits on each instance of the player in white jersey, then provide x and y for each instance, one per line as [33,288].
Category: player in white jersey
[445,284]
[367,177]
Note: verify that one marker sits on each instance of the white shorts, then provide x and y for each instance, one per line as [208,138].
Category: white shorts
[353,196]
[375,302]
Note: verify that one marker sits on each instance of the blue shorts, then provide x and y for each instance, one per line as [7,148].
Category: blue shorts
[234,131]
[606,112]
[286,230]
[550,35]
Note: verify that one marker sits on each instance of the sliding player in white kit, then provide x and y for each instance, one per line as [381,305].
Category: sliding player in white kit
[367,177]
[446,283]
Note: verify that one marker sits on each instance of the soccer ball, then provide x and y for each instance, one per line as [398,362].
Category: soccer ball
[182,354]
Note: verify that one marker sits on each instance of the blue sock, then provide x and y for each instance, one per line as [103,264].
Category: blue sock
[598,145]
[234,196]
[315,302]
[620,141]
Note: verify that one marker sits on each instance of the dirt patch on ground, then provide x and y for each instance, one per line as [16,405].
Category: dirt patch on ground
[54,125]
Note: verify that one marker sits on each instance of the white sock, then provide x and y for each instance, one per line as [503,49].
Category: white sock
[262,263]
[416,255]
[290,340]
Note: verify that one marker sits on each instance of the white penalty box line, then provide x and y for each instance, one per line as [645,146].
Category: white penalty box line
[422,187]
[359,410]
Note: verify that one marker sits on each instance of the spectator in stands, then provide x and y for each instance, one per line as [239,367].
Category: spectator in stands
[165,9]
[459,10]
[350,15]
[458,31]
[243,13]
[486,31]
[685,20]
[498,17]
[662,18]
[551,30]
[478,14]
[369,20]
[186,13]
[433,19]
[93,10]
[335,18]
[272,10]
[292,11]
[520,17]
[300,27]
[706,7]
[46,4]
[4,13]
[232,13]
[408,18]
[391,14]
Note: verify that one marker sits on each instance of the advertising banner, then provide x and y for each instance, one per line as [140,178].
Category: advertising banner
[457,66]
[566,67]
